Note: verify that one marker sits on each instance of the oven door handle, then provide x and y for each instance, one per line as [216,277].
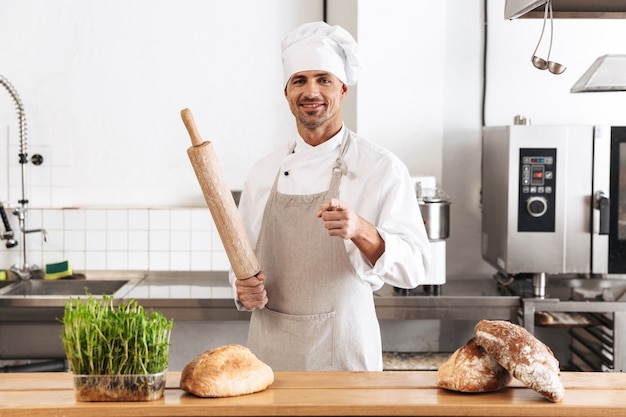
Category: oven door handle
[602,203]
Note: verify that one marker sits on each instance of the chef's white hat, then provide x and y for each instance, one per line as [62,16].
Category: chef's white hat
[319,46]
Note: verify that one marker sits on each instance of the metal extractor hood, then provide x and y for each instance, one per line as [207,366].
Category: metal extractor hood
[607,73]
[567,9]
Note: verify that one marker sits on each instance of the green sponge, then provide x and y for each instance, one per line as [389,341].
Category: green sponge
[58,270]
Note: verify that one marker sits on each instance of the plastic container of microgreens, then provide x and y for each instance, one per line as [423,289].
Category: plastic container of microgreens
[116,350]
[147,387]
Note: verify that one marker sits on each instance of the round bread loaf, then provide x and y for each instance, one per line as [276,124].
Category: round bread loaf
[226,371]
[523,355]
[470,369]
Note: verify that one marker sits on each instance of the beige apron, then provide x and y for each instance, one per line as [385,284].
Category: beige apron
[320,314]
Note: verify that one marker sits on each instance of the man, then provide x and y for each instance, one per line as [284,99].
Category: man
[332,217]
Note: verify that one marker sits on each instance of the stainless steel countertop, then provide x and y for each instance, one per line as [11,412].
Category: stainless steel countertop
[471,299]
[207,295]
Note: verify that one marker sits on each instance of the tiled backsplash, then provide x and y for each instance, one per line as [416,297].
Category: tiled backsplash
[168,239]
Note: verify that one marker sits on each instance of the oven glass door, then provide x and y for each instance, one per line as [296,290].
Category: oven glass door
[617,218]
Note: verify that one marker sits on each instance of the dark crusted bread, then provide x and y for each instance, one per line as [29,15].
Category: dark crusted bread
[226,371]
[523,355]
[470,369]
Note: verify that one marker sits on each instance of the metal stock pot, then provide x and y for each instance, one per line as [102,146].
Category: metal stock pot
[434,205]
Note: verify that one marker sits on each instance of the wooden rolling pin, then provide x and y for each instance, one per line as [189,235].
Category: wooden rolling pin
[221,202]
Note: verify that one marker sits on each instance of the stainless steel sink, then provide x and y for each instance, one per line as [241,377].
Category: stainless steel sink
[62,288]
[30,310]
[5,283]
[40,292]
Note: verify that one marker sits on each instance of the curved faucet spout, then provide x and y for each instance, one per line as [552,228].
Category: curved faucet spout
[42,231]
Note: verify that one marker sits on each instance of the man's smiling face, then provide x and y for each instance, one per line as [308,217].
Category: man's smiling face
[315,98]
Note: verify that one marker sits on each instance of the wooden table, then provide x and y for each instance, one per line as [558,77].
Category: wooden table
[390,393]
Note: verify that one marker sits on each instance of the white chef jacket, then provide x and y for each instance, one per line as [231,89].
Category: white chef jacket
[376,185]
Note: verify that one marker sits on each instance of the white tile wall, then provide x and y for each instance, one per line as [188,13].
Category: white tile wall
[174,239]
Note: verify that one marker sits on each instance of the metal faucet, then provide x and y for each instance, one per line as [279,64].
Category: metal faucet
[25,270]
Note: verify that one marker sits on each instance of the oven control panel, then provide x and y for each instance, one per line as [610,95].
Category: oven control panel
[537,190]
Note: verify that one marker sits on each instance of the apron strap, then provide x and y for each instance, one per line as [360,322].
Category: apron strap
[340,167]
[275,185]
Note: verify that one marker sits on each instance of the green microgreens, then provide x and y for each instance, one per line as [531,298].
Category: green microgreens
[100,339]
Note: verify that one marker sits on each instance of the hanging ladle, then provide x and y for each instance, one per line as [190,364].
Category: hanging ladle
[540,63]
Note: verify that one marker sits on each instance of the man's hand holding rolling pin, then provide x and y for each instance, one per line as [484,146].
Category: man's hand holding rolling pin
[251,291]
